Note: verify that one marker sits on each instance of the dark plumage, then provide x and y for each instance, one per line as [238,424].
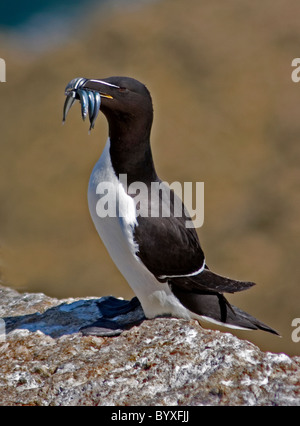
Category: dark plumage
[159,256]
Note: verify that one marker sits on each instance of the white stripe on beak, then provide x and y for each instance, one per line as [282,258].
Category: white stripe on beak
[104,82]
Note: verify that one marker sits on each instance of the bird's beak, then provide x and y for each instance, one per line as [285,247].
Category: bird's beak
[102,87]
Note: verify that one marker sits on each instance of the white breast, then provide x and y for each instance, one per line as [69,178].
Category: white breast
[117,235]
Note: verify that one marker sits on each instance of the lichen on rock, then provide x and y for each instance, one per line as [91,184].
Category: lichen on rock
[45,360]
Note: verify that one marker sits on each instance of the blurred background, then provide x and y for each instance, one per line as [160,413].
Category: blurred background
[226,113]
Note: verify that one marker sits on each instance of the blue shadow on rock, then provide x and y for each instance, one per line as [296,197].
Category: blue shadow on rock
[107,316]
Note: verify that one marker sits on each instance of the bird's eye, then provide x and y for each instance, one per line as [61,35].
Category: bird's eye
[123,89]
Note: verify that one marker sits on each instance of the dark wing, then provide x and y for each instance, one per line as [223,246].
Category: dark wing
[172,251]
[166,246]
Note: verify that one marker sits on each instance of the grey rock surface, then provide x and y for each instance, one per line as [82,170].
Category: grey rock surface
[45,360]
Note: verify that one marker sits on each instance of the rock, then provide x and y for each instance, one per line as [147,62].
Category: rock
[45,360]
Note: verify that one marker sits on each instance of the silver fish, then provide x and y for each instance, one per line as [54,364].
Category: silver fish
[70,99]
[91,104]
[84,101]
[74,84]
[96,109]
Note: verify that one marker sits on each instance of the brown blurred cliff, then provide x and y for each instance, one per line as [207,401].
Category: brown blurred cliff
[226,113]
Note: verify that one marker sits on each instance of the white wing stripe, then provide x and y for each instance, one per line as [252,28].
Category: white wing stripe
[162,277]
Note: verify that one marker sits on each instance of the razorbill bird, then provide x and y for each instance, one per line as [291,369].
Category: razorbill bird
[159,256]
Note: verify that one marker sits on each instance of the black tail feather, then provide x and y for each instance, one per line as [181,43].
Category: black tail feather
[209,281]
[216,307]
